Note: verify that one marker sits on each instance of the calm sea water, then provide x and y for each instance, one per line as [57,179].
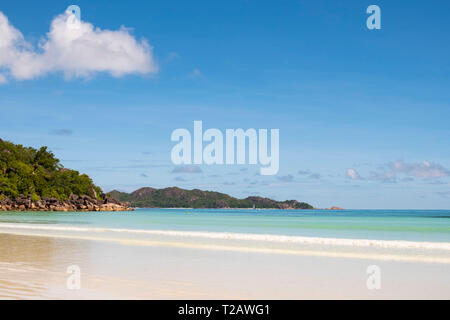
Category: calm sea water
[414,225]
[209,254]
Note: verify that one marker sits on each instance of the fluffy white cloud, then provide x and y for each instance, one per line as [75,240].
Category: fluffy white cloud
[353,174]
[78,50]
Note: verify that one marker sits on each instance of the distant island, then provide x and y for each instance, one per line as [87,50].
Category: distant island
[180,198]
[35,180]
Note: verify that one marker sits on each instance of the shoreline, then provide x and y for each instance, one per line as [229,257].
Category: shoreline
[111,207]
[35,267]
[221,255]
[375,249]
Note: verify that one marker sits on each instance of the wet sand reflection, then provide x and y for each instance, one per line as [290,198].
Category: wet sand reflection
[31,266]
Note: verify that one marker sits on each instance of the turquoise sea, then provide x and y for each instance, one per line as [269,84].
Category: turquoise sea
[225,254]
[410,225]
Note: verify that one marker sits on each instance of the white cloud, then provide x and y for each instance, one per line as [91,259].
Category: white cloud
[444,194]
[353,174]
[396,171]
[287,178]
[422,170]
[407,172]
[316,176]
[384,176]
[196,74]
[172,56]
[187,169]
[62,132]
[3,79]
[76,51]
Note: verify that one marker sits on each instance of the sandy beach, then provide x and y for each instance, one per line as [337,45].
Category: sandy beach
[224,150]
[35,267]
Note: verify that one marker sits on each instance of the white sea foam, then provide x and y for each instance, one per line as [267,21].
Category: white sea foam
[393,244]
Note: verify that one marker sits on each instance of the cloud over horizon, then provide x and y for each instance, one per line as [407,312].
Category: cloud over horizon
[79,50]
[287,178]
[62,132]
[187,169]
[353,174]
[392,171]
[196,74]
[422,170]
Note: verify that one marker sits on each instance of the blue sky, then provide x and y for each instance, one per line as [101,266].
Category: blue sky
[363,114]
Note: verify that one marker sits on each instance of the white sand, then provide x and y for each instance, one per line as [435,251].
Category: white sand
[34,267]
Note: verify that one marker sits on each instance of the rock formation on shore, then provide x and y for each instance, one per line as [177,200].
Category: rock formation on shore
[35,180]
[74,203]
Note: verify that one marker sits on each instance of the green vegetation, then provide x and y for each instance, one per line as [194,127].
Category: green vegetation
[25,171]
[180,198]
[37,173]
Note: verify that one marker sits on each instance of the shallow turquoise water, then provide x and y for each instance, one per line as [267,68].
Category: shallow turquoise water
[415,225]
